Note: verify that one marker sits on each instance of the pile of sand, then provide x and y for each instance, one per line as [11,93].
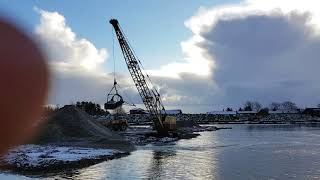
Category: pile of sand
[72,126]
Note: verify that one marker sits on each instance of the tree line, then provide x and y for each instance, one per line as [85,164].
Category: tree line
[49,109]
[91,108]
[274,106]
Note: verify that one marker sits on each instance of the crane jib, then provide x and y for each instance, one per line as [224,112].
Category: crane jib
[151,100]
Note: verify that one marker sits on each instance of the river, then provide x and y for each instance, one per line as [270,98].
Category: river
[244,152]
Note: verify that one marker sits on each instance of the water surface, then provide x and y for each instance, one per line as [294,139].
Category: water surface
[244,152]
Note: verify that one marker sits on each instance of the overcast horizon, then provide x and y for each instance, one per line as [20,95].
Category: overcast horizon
[211,55]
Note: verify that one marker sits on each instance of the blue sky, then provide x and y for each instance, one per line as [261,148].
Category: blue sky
[154,28]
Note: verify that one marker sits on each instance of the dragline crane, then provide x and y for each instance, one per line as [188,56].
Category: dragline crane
[150,97]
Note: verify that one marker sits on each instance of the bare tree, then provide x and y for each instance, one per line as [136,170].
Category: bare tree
[288,105]
[247,106]
[252,105]
[274,106]
[256,106]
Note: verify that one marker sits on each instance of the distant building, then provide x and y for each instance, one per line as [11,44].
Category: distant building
[138,111]
[247,115]
[247,112]
[142,111]
[276,112]
[222,112]
[287,111]
[312,111]
[173,111]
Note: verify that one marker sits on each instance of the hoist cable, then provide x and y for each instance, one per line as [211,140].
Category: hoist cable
[113,57]
[114,71]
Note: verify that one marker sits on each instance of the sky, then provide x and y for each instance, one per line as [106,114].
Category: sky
[202,55]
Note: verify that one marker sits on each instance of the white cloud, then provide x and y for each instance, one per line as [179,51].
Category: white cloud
[209,17]
[64,47]
[195,62]
[75,62]
[265,50]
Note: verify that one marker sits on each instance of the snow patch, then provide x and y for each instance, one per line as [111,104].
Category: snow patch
[35,155]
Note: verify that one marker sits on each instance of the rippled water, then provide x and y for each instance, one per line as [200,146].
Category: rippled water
[244,152]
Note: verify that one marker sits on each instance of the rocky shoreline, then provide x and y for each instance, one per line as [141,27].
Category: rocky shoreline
[217,118]
[143,135]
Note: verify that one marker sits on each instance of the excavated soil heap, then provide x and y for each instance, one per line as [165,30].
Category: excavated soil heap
[72,126]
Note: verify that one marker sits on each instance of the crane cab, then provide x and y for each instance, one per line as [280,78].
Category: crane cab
[170,123]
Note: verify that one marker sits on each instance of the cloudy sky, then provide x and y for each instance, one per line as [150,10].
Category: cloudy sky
[202,55]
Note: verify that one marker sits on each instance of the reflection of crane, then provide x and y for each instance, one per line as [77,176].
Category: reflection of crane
[150,97]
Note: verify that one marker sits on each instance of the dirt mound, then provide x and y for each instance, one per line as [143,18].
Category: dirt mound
[71,125]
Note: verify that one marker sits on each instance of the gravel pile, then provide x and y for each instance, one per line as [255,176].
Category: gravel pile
[72,126]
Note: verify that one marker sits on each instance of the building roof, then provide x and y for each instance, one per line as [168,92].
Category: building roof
[314,109]
[138,110]
[275,112]
[246,112]
[222,112]
[173,111]
[288,111]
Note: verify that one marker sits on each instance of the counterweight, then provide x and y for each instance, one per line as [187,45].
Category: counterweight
[151,98]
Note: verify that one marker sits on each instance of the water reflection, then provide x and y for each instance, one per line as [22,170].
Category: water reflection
[186,159]
[159,162]
[130,167]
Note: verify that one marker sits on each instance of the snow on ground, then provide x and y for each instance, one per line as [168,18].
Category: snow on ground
[35,155]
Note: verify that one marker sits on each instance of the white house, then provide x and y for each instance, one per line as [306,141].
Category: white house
[173,111]
[285,111]
[222,112]
[246,112]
